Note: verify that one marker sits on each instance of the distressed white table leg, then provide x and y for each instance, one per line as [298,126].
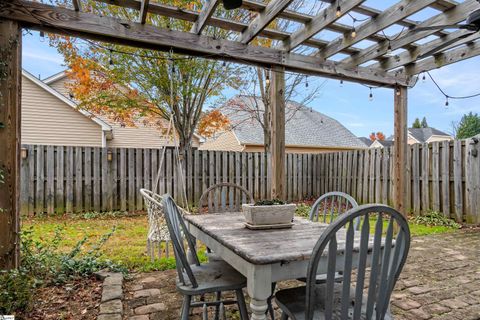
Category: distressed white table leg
[259,287]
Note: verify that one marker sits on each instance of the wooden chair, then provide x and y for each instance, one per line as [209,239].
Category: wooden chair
[157,227]
[348,300]
[224,197]
[200,279]
[332,204]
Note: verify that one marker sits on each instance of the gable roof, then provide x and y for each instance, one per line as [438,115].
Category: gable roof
[366,140]
[383,143]
[305,127]
[105,126]
[55,77]
[423,134]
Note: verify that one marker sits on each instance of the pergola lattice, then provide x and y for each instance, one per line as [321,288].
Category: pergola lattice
[372,65]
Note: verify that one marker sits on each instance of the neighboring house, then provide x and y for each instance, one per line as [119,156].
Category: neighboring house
[368,142]
[381,143]
[306,131]
[416,135]
[51,117]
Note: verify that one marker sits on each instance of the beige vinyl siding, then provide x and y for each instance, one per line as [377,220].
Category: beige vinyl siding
[225,141]
[60,86]
[48,120]
[141,137]
[435,138]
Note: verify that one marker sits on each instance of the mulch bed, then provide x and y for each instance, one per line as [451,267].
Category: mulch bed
[75,300]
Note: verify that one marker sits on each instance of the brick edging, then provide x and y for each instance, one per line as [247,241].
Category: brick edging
[111,305]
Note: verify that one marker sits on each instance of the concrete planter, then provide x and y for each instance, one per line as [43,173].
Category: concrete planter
[268,215]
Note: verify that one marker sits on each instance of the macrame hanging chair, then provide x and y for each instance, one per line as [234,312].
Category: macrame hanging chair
[158,237]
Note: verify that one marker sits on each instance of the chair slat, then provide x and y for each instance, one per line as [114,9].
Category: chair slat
[332,205]
[224,197]
[331,264]
[372,289]
[385,265]
[361,268]
[347,271]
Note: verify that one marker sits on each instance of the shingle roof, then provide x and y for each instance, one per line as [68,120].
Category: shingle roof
[423,134]
[366,140]
[304,126]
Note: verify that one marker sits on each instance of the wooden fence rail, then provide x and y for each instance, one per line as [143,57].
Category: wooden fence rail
[443,176]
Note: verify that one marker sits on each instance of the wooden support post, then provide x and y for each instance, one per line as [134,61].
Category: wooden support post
[400,149]
[10,80]
[277,98]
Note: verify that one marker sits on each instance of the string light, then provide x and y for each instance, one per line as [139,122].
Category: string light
[389,48]
[446,102]
[224,64]
[354,33]
[424,78]
[338,13]
[397,91]
[42,36]
[306,82]
[370,96]
[267,78]
[341,83]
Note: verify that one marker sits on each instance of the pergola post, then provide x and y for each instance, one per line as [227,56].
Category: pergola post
[277,163]
[400,148]
[10,87]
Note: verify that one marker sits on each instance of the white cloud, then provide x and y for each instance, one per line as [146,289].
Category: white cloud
[44,56]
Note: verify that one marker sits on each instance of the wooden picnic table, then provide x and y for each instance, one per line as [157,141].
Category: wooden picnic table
[264,256]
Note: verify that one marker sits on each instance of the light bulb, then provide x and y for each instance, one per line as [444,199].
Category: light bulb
[446,102]
[338,13]
[341,83]
[42,36]
[267,80]
[354,33]
[389,49]
[306,82]
[397,91]
[370,96]
[424,79]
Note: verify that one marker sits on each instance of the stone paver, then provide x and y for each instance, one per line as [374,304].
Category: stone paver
[441,280]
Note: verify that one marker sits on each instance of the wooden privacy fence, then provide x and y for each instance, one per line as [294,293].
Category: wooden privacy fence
[56,179]
[442,176]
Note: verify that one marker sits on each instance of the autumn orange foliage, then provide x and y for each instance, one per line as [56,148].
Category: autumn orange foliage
[377,136]
[211,122]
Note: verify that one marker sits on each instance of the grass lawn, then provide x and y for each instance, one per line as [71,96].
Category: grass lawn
[127,244]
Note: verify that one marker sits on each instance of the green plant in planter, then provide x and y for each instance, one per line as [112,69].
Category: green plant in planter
[268,202]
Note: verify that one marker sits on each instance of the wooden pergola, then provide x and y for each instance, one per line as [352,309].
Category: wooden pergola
[372,65]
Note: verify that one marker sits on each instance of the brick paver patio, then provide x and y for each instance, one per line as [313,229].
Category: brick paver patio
[441,280]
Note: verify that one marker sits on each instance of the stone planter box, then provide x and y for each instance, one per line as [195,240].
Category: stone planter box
[268,215]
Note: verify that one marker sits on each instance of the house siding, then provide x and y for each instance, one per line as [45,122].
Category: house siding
[225,141]
[60,86]
[141,137]
[48,120]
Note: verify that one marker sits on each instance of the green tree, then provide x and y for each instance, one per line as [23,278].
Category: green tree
[424,123]
[416,124]
[159,84]
[468,126]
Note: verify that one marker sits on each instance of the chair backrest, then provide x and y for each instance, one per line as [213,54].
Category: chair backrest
[182,241]
[152,203]
[388,251]
[332,204]
[224,197]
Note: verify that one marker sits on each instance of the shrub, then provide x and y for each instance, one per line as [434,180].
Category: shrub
[303,210]
[267,202]
[434,218]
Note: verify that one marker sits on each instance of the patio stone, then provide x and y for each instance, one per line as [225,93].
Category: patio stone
[419,314]
[406,304]
[110,317]
[139,317]
[419,290]
[112,293]
[454,303]
[146,293]
[436,308]
[114,306]
[115,279]
[150,308]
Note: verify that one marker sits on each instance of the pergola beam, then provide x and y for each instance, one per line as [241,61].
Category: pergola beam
[443,59]
[388,17]
[452,16]
[143,11]
[408,57]
[262,20]
[62,20]
[205,14]
[326,17]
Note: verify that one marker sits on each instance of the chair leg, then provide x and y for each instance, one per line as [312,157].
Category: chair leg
[269,302]
[242,307]
[284,316]
[186,307]
[218,297]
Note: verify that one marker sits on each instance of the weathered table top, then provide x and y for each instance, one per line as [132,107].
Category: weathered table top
[264,246]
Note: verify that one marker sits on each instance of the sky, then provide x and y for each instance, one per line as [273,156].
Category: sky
[348,103]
